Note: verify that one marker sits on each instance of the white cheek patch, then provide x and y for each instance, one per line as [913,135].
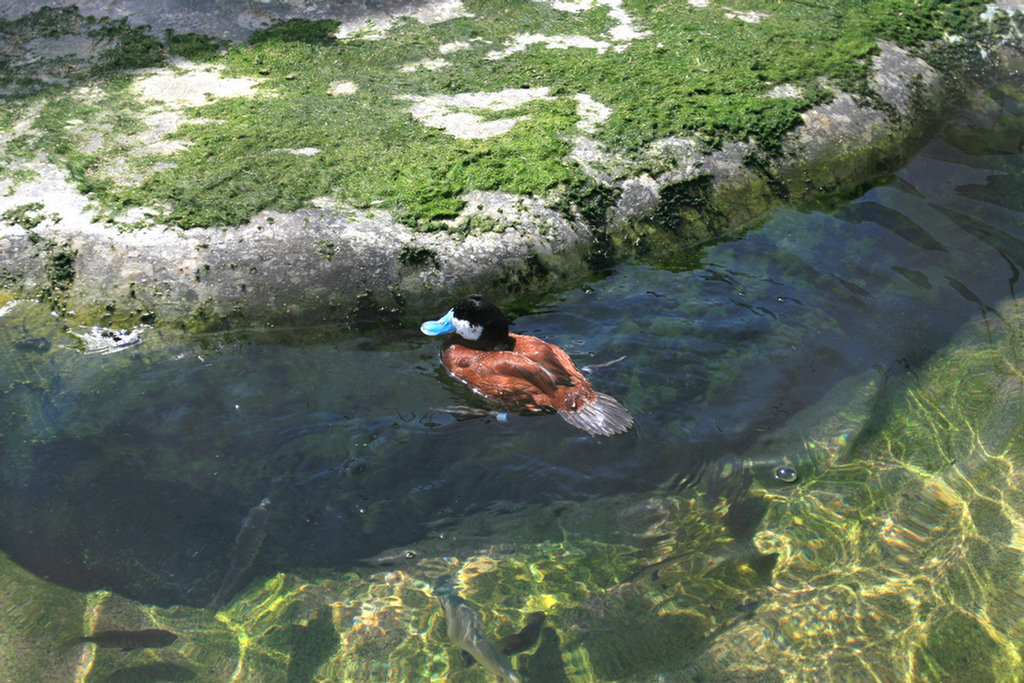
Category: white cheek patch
[466,329]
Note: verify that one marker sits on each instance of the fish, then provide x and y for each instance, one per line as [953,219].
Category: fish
[128,640]
[521,641]
[247,546]
[514,643]
[466,629]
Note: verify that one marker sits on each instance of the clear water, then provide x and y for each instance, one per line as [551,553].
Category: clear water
[131,471]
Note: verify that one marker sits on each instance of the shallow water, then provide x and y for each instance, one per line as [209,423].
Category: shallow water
[132,470]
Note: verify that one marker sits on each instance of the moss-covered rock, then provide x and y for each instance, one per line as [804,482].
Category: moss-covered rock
[486,133]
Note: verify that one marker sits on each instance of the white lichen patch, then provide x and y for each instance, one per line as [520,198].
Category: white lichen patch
[685,153]
[50,186]
[455,115]
[369,28]
[300,152]
[191,85]
[128,158]
[749,16]
[573,5]
[22,126]
[342,88]
[159,125]
[509,211]
[624,32]
[254,20]
[70,45]
[595,160]
[699,3]
[377,23]
[463,125]
[458,45]
[593,156]
[786,92]
[445,49]
[1007,6]
[140,216]
[426,65]
[591,112]
[619,36]
[524,40]
[438,11]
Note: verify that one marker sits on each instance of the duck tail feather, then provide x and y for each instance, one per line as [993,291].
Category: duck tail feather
[604,416]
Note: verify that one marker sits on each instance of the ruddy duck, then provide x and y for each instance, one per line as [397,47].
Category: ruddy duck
[519,370]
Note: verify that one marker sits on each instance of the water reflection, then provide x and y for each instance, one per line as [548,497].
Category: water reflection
[798,348]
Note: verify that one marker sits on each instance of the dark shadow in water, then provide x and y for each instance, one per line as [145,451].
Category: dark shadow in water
[151,571]
[729,481]
[308,646]
[312,645]
[652,644]
[893,221]
[965,292]
[1010,248]
[154,672]
[915,277]
[999,190]
[744,516]
[546,665]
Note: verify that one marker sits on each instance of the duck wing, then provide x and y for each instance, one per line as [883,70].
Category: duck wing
[511,378]
[533,375]
[574,399]
[550,359]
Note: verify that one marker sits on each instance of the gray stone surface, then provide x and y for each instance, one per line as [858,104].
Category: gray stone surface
[236,19]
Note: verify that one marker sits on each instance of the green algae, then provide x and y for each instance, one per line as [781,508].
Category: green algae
[60,268]
[26,216]
[957,648]
[81,132]
[420,179]
[417,256]
[698,72]
[130,47]
[298,31]
[688,201]
[38,619]
[193,46]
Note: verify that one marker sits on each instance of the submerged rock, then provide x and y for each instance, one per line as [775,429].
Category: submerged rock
[904,548]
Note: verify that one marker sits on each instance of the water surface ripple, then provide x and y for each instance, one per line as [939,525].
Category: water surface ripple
[132,470]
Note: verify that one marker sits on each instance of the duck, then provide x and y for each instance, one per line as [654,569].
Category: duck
[519,370]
